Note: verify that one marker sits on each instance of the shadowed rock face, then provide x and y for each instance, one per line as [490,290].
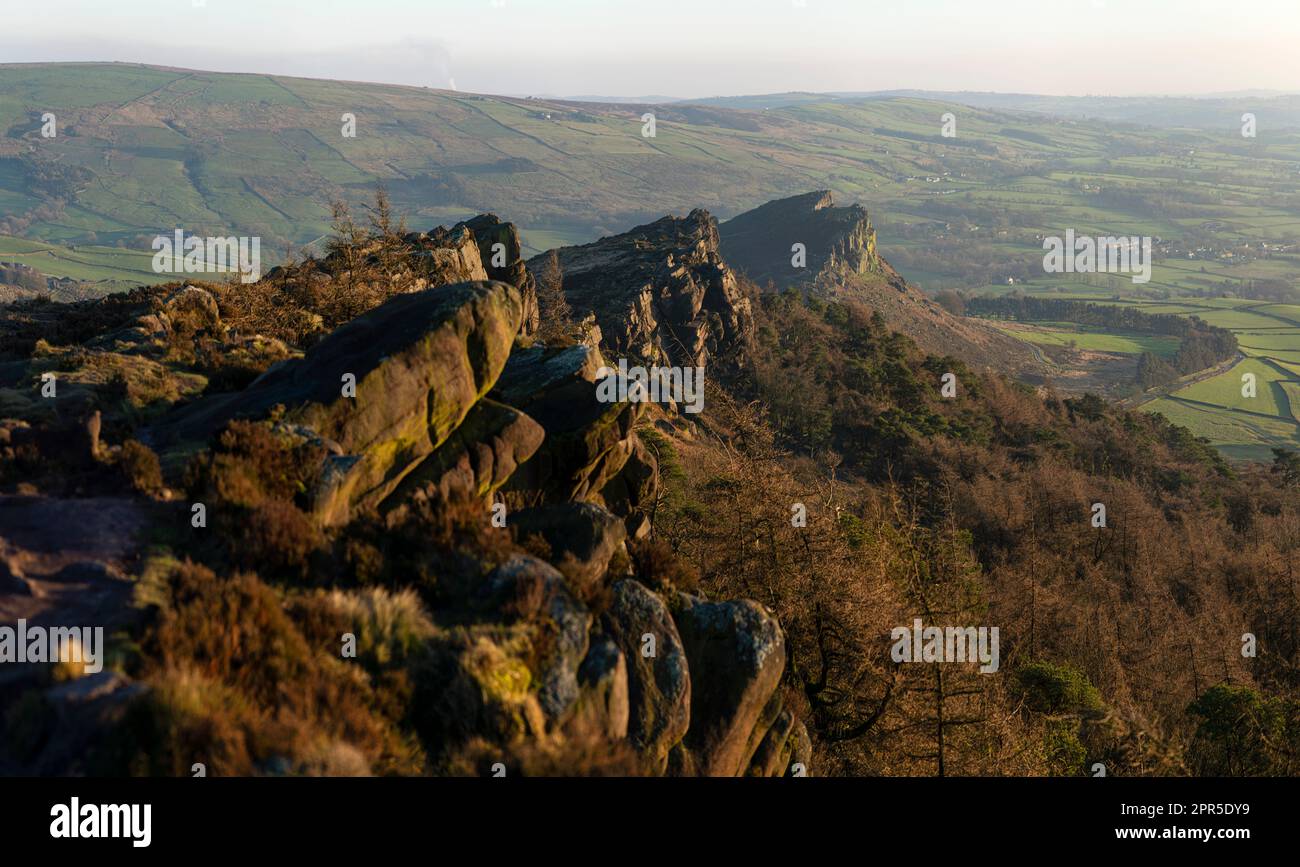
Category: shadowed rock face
[759,242]
[584,534]
[774,751]
[632,493]
[587,441]
[661,293]
[602,681]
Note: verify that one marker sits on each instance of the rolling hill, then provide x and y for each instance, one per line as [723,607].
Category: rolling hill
[141,150]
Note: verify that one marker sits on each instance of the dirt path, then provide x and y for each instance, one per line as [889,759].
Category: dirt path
[67,562]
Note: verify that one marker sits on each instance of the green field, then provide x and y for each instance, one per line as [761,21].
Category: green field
[1226,390]
[1085,337]
[89,263]
[1239,436]
[1242,427]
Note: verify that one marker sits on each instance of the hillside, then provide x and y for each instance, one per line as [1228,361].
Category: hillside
[145,149]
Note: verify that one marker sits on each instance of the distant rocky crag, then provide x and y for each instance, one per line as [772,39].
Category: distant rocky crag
[809,244]
[801,239]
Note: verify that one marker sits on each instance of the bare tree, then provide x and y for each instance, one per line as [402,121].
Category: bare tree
[553,307]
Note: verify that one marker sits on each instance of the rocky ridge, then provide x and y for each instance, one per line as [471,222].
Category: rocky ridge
[436,395]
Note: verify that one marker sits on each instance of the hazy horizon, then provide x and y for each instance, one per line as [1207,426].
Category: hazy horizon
[1265,93]
[686,50]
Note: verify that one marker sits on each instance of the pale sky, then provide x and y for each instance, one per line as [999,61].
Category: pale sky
[690,48]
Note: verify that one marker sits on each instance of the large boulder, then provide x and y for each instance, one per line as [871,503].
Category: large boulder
[420,361]
[490,444]
[587,440]
[538,374]
[736,653]
[659,684]
[582,537]
[566,622]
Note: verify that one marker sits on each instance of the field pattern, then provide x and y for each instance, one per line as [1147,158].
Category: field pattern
[1241,426]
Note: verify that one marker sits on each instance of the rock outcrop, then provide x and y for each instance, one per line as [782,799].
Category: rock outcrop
[388,388]
[632,493]
[736,653]
[501,254]
[482,248]
[840,259]
[570,622]
[661,293]
[478,458]
[762,242]
[588,441]
[659,677]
